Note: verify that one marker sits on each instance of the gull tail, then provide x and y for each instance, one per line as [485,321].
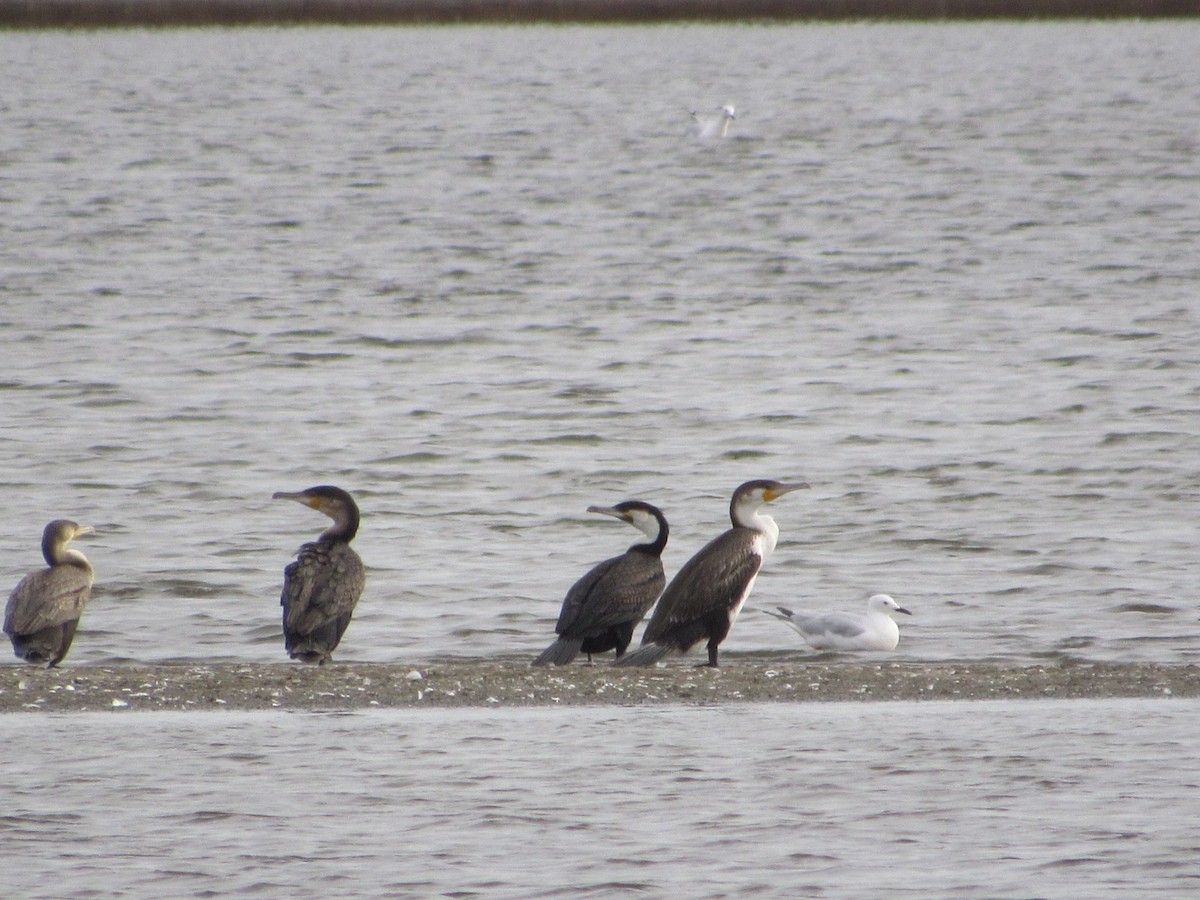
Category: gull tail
[786,614]
[560,652]
[644,656]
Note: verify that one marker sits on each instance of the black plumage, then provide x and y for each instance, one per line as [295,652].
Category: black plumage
[43,610]
[707,593]
[603,607]
[322,587]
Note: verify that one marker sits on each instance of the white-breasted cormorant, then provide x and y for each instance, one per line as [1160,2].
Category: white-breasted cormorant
[843,631]
[43,610]
[322,587]
[604,606]
[706,595]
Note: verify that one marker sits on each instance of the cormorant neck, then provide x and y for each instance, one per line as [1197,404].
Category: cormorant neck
[656,546]
[346,523]
[343,529]
[750,516]
[747,515]
[56,554]
[54,551]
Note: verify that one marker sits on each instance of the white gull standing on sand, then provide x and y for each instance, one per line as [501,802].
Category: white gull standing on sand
[844,631]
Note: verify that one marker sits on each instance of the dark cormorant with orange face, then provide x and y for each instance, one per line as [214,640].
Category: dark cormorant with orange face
[322,587]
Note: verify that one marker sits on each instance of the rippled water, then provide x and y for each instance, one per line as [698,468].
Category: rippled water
[992,799]
[482,278]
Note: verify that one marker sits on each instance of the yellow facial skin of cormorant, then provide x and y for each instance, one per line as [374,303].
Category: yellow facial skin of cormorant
[771,494]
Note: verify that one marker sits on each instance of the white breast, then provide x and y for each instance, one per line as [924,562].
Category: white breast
[770,535]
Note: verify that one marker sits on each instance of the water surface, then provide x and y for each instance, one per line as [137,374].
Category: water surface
[483,278]
[988,799]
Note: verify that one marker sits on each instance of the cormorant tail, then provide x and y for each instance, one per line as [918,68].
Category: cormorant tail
[26,649]
[644,656]
[560,652]
[309,651]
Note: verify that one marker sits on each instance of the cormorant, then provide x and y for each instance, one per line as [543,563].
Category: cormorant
[322,587]
[842,631]
[604,606]
[706,595]
[43,610]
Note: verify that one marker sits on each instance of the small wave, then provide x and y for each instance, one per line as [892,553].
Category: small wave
[306,357]
[475,336]
[735,455]
[40,820]
[420,456]
[571,439]
[188,588]
[1121,437]
[1148,608]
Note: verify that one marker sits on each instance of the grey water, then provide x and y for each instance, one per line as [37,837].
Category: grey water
[992,799]
[483,277]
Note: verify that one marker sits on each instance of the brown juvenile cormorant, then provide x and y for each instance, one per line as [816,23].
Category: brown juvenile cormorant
[604,606]
[706,595]
[322,587]
[43,610]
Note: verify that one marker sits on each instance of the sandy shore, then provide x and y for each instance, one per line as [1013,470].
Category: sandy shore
[511,682]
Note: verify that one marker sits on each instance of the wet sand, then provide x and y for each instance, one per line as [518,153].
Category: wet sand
[511,682]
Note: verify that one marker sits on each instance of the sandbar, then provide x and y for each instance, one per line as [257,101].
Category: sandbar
[511,682]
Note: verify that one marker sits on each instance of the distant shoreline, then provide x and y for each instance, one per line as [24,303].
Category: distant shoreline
[455,683]
[36,14]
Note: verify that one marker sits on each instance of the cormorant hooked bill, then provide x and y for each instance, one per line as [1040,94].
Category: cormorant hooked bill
[44,609]
[322,587]
[706,595]
[604,606]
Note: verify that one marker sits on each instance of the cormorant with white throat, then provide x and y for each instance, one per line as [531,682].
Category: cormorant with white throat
[322,587]
[843,631]
[604,606]
[706,595]
[43,610]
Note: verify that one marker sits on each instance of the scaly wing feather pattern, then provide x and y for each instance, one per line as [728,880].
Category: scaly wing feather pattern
[710,581]
[577,597]
[615,591]
[323,584]
[48,597]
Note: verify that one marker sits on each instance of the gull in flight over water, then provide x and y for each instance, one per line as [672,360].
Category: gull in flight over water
[714,126]
[873,630]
